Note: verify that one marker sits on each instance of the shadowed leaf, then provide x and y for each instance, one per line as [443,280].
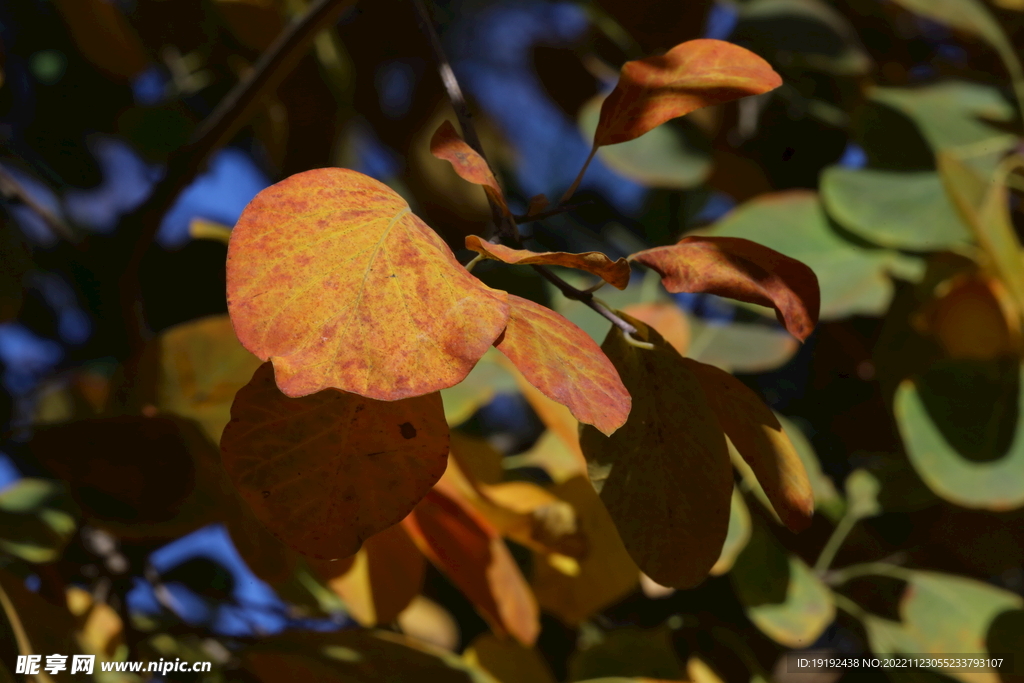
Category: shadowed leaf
[665,476]
[740,269]
[629,652]
[565,364]
[741,347]
[755,431]
[615,273]
[332,278]
[327,471]
[738,536]
[36,519]
[447,145]
[668,319]
[104,36]
[37,626]
[692,75]
[468,549]
[507,660]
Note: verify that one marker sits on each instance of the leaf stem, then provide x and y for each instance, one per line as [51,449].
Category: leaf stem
[506,224]
[11,189]
[579,177]
[835,541]
[856,571]
[849,606]
[529,218]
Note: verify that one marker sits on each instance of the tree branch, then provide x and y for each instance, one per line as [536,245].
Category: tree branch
[506,224]
[10,188]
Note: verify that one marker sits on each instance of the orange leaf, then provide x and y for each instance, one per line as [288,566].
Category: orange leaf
[690,76]
[446,144]
[384,578]
[332,278]
[755,431]
[324,472]
[615,273]
[566,365]
[740,269]
[469,550]
[665,477]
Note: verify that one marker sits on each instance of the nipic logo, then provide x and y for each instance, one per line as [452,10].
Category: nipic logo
[30,664]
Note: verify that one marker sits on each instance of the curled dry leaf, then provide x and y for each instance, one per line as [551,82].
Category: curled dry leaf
[565,364]
[615,273]
[325,472]
[336,281]
[690,76]
[665,476]
[740,269]
[447,145]
[469,550]
[761,440]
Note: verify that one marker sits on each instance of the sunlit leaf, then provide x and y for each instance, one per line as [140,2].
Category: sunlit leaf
[781,594]
[565,364]
[606,573]
[429,622]
[737,537]
[853,279]
[665,475]
[740,269]
[993,485]
[741,347]
[327,471]
[168,492]
[36,519]
[446,144]
[354,655]
[560,460]
[507,660]
[692,75]
[100,630]
[487,378]
[826,498]
[646,653]
[37,626]
[758,436]
[973,316]
[384,578]
[615,273]
[468,549]
[334,279]
[898,210]
[104,36]
[995,229]
[665,157]
[667,318]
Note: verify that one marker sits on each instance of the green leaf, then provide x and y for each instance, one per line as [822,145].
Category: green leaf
[951,113]
[781,594]
[665,476]
[992,485]
[826,498]
[36,519]
[740,347]
[486,379]
[862,494]
[676,156]
[853,279]
[897,210]
[803,34]
[738,536]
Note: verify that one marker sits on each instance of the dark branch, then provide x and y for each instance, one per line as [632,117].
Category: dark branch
[541,215]
[11,189]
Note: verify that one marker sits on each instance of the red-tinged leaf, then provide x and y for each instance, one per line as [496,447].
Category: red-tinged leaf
[470,552]
[324,472]
[760,439]
[332,278]
[615,273]
[740,269]
[565,364]
[665,477]
[447,145]
[690,76]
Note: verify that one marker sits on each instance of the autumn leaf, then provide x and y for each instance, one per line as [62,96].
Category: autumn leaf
[665,476]
[332,278]
[325,472]
[690,76]
[447,145]
[468,549]
[615,273]
[565,364]
[668,319]
[740,269]
[760,439]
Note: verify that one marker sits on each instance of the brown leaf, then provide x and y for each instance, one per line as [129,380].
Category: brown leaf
[468,549]
[446,144]
[690,76]
[326,471]
[335,280]
[387,573]
[740,269]
[104,37]
[665,476]
[761,440]
[615,273]
[566,365]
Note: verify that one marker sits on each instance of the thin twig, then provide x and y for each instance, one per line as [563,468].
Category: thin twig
[541,215]
[506,224]
[14,190]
